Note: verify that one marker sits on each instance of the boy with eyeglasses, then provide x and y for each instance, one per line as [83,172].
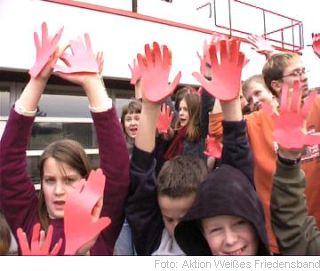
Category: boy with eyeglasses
[278,70]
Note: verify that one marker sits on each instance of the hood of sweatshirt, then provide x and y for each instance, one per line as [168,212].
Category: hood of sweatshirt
[225,191]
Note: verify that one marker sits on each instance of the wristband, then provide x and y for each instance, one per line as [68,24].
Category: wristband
[289,162]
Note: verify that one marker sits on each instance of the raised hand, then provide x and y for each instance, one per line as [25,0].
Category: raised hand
[135,73]
[100,62]
[40,244]
[155,68]
[226,75]
[82,224]
[165,119]
[44,50]
[316,44]
[204,59]
[289,124]
[82,59]
[260,45]
[214,147]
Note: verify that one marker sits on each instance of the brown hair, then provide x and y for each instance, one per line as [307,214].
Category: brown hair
[133,107]
[66,151]
[194,104]
[274,67]
[180,176]
[5,237]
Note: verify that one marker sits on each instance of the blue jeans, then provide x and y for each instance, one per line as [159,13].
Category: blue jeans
[124,245]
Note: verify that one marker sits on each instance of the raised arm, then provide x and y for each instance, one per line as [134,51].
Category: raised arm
[142,209]
[296,232]
[225,86]
[83,68]
[17,193]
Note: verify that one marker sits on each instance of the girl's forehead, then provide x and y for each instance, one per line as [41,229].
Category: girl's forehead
[131,114]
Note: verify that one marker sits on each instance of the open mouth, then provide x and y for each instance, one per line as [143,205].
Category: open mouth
[183,122]
[133,130]
[59,203]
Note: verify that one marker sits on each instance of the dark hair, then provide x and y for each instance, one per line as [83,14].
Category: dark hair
[133,107]
[180,176]
[66,151]
[5,236]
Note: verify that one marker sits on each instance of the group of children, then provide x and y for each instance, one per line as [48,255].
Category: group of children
[162,194]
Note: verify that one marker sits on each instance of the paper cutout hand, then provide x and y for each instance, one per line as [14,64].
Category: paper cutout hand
[289,124]
[81,213]
[40,244]
[224,85]
[165,119]
[316,44]
[204,59]
[82,58]
[44,50]
[135,73]
[214,147]
[260,44]
[155,69]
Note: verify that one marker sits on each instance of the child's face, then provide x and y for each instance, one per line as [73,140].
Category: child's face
[131,121]
[296,71]
[230,236]
[174,209]
[257,94]
[59,179]
[183,113]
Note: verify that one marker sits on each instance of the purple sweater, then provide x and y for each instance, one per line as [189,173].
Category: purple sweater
[18,198]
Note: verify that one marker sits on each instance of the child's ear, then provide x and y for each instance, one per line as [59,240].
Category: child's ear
[277,86]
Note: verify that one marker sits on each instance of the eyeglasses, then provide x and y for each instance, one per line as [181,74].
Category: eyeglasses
[296,73]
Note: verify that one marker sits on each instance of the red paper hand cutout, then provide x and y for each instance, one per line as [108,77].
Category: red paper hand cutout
[82,58]
[135,73]
[288,125]
[316,44]
[155,68]
[214,147]
[40,244]
[226,75]
[81,219]
[44,50]
[165,119]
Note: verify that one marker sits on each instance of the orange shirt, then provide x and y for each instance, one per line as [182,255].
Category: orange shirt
[263,147]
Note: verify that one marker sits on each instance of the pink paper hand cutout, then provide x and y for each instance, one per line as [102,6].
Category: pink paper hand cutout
[165,119]
[44,50]
[82,59]
[260,44]
[40,244]
[289,124]
[204,59]
[316,44]
[81,212]
[135,73]
[214,147]
[155,69]
[226,74]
